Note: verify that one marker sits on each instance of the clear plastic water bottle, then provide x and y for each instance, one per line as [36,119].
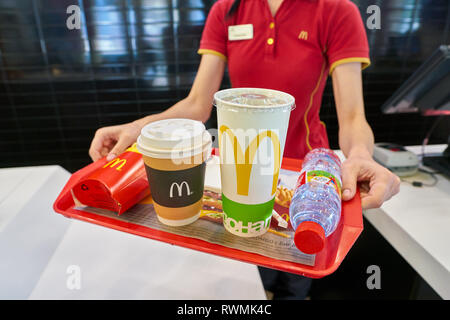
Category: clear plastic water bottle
[315,208]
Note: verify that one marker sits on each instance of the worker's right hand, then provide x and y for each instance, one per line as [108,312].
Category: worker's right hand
[114,140]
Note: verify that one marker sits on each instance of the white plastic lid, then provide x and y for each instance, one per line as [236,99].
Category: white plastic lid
[173,138]
[254,98]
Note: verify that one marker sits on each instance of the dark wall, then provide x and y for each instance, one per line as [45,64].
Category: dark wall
[135,57]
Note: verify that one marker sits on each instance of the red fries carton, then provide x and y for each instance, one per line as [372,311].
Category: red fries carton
[116,185]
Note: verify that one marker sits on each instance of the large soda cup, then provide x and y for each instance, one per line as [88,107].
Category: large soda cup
[252,128]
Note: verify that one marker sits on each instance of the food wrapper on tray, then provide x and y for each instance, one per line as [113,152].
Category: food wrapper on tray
[116,185]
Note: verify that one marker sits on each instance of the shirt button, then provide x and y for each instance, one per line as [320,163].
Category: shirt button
[272,25]
[270,41]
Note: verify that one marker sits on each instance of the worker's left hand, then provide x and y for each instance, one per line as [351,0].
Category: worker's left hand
[377,184]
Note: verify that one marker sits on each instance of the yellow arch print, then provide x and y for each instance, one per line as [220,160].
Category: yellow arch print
[244,162]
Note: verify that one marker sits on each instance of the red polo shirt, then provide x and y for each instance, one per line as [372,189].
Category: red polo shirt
[293,51]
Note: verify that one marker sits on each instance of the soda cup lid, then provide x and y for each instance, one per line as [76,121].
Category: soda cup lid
[254,99]
[309,237]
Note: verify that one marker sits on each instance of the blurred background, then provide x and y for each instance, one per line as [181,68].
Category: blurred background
[131,58]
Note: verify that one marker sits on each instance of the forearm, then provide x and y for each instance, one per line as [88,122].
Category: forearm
[356,138]
[355,135]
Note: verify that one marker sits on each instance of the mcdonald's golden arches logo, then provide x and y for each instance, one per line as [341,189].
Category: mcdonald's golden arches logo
[116,162]
[244,162]
[303,35]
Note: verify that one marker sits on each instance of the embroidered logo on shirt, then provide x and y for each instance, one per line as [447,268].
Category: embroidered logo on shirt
[303,35]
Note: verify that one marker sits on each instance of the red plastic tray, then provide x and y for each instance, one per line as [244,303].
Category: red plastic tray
[326,262]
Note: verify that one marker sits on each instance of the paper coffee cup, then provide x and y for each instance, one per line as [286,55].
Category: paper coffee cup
[174,153]
[252,128]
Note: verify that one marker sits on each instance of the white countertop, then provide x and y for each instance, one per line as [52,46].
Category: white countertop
[42,252]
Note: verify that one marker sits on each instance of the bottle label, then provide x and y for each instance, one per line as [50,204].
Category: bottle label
[321,177]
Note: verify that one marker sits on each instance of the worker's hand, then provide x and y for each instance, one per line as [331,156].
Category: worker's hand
[377,184]
[112,141]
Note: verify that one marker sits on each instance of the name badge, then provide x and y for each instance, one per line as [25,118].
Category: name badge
[240,32]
